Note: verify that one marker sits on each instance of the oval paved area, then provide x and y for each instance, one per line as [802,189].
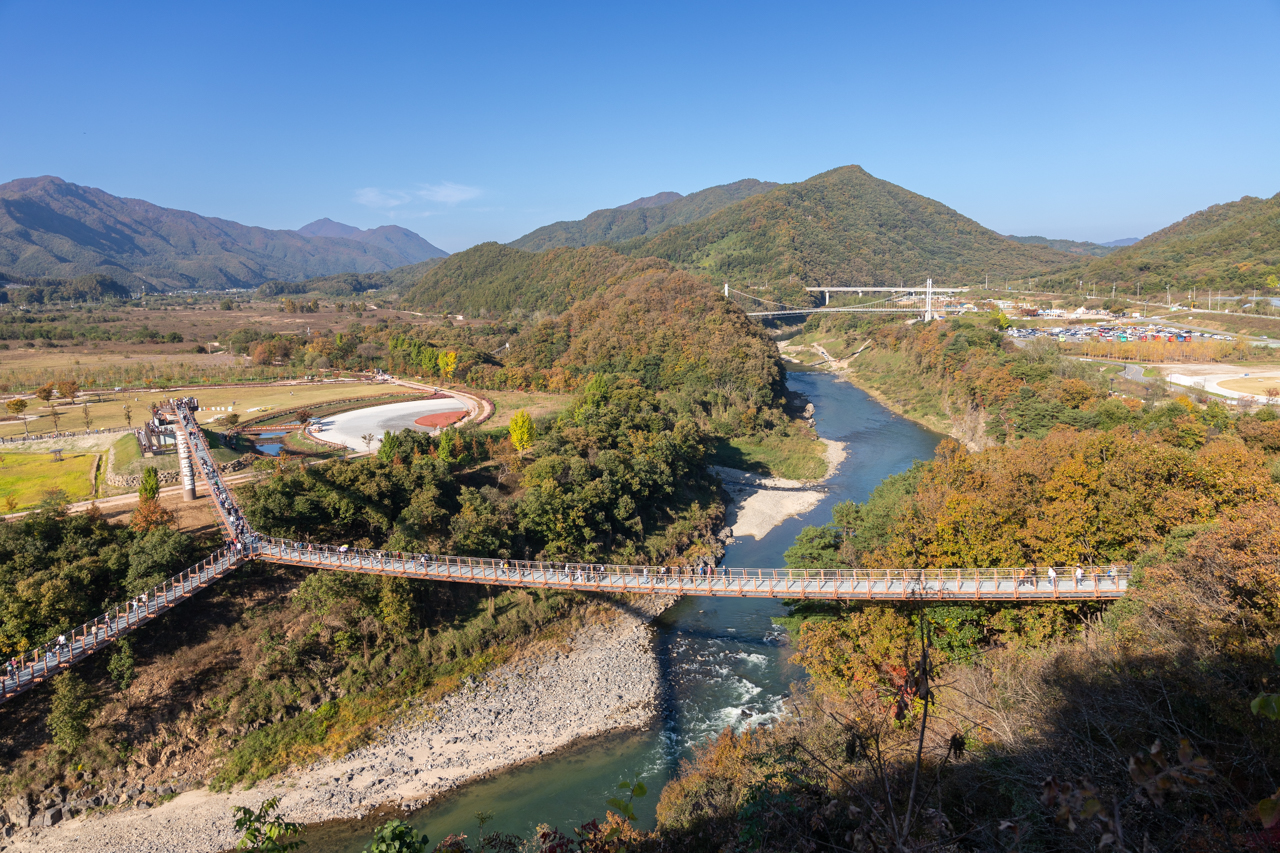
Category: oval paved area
[348,427]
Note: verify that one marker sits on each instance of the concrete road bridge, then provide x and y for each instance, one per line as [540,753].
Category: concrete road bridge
[243,544]
[901,300]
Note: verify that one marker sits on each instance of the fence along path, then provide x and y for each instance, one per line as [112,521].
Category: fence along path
[1072,583]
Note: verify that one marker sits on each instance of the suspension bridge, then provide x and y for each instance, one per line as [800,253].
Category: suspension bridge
[902,300]
[243,544]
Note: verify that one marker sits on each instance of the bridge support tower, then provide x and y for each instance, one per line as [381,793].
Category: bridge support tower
[186,472]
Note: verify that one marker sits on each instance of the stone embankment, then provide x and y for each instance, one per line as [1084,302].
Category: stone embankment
[169,478]
[604,678]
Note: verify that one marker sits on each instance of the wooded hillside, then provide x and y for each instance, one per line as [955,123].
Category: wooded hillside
[639,218]
[845,227]
[1233,246]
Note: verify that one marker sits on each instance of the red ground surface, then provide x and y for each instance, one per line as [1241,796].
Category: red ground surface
[440,419]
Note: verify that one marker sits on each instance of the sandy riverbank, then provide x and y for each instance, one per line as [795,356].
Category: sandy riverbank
[762,503]
[607,680]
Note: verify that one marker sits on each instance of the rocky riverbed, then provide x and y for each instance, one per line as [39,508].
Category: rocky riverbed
[604,679]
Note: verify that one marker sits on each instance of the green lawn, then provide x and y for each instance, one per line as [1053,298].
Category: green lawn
[794,457]
[29,477]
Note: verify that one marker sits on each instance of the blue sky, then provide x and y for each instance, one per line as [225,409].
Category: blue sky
[468,122]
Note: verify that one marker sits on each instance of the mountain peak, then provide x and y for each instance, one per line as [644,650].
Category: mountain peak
[652,201]
[326,227]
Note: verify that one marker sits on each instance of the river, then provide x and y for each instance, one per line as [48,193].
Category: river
[724,661]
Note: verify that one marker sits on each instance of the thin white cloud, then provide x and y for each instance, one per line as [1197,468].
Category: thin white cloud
[382,199]
[447,192]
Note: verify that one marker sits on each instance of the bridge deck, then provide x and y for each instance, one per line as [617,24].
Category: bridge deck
[952,585]
[244,544]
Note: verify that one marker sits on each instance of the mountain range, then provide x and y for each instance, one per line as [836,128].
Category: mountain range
[1073,247]
[52,228]
[843,227]
[642,217]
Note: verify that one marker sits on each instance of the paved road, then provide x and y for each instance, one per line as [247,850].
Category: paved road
[1134,372]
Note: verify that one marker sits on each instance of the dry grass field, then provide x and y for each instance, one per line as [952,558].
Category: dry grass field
[1257,383]
[507,403]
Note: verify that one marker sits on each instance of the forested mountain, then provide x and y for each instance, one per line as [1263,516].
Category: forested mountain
[644,216]
[49,227]
[657,200]
[400,240]
[1233,246]
[348,283]
[496,279]
[845,227]
[1074,247]
[841,227]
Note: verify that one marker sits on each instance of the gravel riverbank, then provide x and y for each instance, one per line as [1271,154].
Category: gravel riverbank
[606,679]
[762,503]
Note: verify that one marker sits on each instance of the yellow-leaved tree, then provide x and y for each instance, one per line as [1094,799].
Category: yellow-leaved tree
[447,361]
[522,431]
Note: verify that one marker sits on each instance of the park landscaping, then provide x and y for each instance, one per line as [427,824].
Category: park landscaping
[105,410]
[29,478]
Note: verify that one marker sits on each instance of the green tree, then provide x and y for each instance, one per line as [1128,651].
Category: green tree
[70,712]
[264,832]
[395,605]
[128,416]
[149,489]
[396,836]
[121,664]
[16,407]
[88,421]
[522,430]
[445,447]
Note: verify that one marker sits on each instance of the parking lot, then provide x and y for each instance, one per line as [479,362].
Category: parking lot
[1082,334]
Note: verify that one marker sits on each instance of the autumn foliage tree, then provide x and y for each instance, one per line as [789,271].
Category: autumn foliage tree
[45,394]
[522,431]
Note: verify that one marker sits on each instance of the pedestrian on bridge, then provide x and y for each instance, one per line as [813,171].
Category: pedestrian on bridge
[1079,574]
[1053,577]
